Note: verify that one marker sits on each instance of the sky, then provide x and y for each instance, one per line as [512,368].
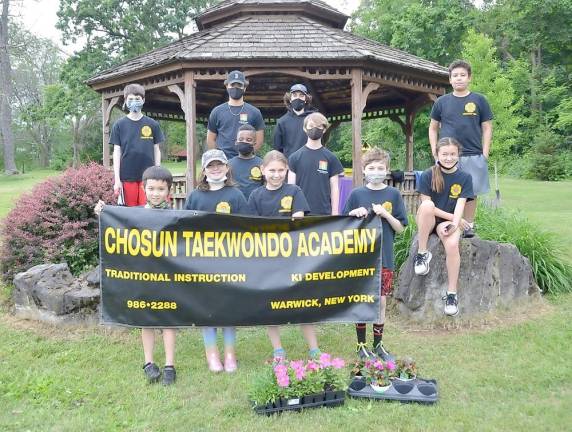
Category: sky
[39,16]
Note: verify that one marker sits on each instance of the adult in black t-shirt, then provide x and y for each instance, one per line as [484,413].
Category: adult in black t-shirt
[316,169]
[226,118]
[444,190]
[289,133]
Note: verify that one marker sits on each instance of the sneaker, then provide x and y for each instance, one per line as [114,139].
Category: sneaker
[169,375]
[469,233]
[451,302]
[314,353]
[363,352]
[421,263]
[152,372]
[279,355]
[382,353]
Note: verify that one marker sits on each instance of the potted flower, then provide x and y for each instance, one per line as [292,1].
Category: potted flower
[406,369]
[375,372]
[298,383]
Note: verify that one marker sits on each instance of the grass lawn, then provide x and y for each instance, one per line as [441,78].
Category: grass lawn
[508,372]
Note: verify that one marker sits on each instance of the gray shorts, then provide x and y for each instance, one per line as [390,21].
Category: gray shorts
[477,166]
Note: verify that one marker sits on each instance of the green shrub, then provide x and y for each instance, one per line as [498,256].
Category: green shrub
[547,159]
[543,249]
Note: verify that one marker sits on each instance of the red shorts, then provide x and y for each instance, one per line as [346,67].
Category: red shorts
[134,194]
[386,281]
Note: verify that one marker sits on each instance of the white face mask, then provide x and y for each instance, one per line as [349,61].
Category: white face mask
[213,181]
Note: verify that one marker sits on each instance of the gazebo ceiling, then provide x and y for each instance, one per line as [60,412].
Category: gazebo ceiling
[277,43]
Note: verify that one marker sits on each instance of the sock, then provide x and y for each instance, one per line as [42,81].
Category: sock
[279,352]
[147,364]
[360,332]
[209,336]
[314,352]
[377,334]
[229,334]
[169,367]
[422,252]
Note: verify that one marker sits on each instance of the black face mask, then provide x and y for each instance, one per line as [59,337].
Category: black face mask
[315,133]
[297,104]
[235,92]
[446,167]
[244,148]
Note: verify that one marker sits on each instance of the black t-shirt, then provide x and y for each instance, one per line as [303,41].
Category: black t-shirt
[390,199]
[289,133]
[461,118]
[225,120]
[226,200]
[313,169]
[137,140]
[280,202]
[456,185]
[246,172]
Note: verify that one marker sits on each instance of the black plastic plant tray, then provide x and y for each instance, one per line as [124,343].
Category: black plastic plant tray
[415,390]
[328,399]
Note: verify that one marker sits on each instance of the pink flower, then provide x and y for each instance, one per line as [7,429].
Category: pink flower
[283,380]
[300,374]
[368,364]
[390,365]
[325,359]
[297,365]
[338,363]
[378,365]
[281,369]
[313,366]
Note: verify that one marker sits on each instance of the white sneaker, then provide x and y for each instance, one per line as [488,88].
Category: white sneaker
[421,263]
[451,304]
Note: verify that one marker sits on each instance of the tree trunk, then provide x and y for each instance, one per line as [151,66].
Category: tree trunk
[5,95]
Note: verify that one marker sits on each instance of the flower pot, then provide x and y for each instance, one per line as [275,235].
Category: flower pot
[313,398]
[379,389]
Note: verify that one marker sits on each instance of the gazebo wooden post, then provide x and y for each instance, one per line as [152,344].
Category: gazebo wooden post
[190,102]
[408,129]
[106,107]
[357,110]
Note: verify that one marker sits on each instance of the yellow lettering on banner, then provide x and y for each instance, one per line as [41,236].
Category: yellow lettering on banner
[295,304]
[198,246]
[328,301]
[187,235]
[208,244]
[144,243]
[313,237]
[337,243]
[302,245]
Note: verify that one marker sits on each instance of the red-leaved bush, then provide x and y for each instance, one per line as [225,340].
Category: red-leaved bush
[55,222]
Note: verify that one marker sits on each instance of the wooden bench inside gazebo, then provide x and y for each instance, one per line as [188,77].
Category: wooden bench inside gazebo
[277,43]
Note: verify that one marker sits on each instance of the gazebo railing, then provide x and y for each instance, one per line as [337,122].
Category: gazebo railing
[406,187]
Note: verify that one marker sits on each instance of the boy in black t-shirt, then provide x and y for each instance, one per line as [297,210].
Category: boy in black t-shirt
[386,202]
[135,139]
[246,166]
[316,169]
[467,117]
[444,191]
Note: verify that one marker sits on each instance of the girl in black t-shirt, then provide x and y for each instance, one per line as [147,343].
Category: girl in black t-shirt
[216,193]
[278,198]
[444,190]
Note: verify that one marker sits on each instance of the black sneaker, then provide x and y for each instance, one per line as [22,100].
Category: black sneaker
[421,263]
[363,352]
[451,304]
[382,353]
[169,375]
[152,372]
[469,232]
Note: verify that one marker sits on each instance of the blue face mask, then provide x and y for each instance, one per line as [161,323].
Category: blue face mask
[134,106]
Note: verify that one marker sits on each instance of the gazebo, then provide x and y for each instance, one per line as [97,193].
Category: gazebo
[276,43]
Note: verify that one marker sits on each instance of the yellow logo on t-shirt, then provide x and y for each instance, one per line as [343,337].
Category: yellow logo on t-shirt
[470,108]
[388,206]
[146,132]
[255,173]
[223,207]
[455,191]
[286,204]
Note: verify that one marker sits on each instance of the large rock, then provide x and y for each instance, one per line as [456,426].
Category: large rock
[49,292]
[492,274]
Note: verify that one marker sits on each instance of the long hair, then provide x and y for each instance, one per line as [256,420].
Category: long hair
[437,182]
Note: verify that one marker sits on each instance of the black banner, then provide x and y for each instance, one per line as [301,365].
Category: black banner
[174,268]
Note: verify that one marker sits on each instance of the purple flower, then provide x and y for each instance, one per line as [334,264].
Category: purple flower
[378,365]
[390,365]
[338,363]
[368,364]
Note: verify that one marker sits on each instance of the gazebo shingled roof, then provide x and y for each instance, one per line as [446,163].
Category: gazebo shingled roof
[277,43]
